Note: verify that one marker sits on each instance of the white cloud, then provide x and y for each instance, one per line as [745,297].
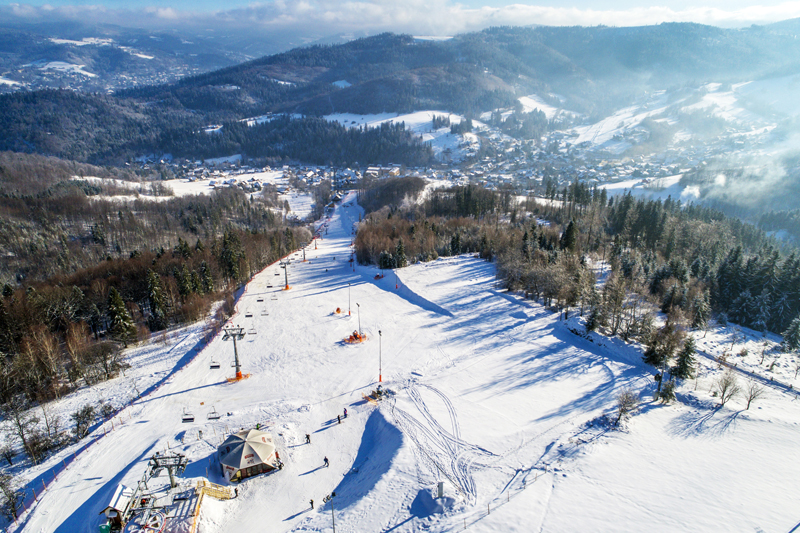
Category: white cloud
[428,17]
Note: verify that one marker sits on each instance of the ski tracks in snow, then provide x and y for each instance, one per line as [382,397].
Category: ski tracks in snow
[443,448]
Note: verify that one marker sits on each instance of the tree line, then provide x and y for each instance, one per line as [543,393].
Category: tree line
[687,262]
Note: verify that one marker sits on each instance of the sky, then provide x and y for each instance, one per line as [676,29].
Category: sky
[318,18]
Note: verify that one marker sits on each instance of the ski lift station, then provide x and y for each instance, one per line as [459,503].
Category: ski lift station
[247,453]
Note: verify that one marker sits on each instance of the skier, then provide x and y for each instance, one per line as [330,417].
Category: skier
[339,418]
[236,492]
[312,503]
[308,440]
[345,412]
[327,464]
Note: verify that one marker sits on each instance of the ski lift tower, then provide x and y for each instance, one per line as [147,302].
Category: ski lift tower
[285,267]
[235,334]
[173,464]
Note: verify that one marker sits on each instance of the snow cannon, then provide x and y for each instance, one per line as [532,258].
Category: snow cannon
[355,338]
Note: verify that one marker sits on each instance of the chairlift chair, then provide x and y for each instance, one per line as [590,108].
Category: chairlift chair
[251,331]
[214,365]
[213,415]
[187,417]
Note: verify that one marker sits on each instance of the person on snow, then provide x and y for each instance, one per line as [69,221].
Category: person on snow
[327,464]
[312,503]
[345,412]
[339,418]
[308,440]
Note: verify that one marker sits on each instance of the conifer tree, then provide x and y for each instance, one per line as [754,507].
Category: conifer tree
[791,337]
[400,255]
[569,241]
[120,321]
[684,369]
[700,312]
[206,280]
[158,307]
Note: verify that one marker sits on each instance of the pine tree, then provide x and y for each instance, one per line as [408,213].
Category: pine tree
[120,321]
[400,255]
[158,307]
[206,280]
[700,312]
[791,337]
[455,244]
[569,241]
[684,369]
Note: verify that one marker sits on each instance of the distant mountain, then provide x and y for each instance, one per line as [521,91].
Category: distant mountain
[102,57]
[595,68]
[592,71]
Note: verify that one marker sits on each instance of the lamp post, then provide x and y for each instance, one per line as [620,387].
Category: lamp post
[358,305]
[380,365]
[304,251]
[329,498]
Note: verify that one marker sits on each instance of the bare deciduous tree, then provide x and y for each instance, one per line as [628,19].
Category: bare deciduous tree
[12,496]
[22,425]
[7,451]
[753,391]
[627,400]
[726,386]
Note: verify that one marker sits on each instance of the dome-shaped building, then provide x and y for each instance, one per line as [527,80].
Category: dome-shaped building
[247,453]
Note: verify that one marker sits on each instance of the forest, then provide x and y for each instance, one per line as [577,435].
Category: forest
[84,277]
[688,264]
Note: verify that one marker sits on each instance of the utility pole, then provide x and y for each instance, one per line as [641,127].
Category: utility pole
[235,334]
[348,299]
[380,365]
[358,305]
[304,251]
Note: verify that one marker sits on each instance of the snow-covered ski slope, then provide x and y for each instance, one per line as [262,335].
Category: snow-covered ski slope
[493,395]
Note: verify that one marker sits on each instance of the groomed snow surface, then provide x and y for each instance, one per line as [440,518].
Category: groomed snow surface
[453,147]
[493,395]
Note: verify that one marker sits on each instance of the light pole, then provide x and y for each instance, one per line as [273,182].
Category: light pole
[358,305]
[380,365]
[304,251]
[329,498]
[348,299]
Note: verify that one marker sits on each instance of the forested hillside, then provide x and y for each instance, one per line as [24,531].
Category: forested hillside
[593,69]
[685,261]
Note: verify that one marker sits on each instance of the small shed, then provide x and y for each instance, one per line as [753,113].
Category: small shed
[118,506]
[247,453]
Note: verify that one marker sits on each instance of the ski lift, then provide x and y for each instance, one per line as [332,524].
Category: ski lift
[264,312]
[187,417]
[260,300]
[251,331]
[213,415]
[214,364]
[248,315]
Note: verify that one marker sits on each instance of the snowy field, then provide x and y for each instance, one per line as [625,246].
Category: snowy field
[456,147]
[493,395]
[300,204]
[651,188]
